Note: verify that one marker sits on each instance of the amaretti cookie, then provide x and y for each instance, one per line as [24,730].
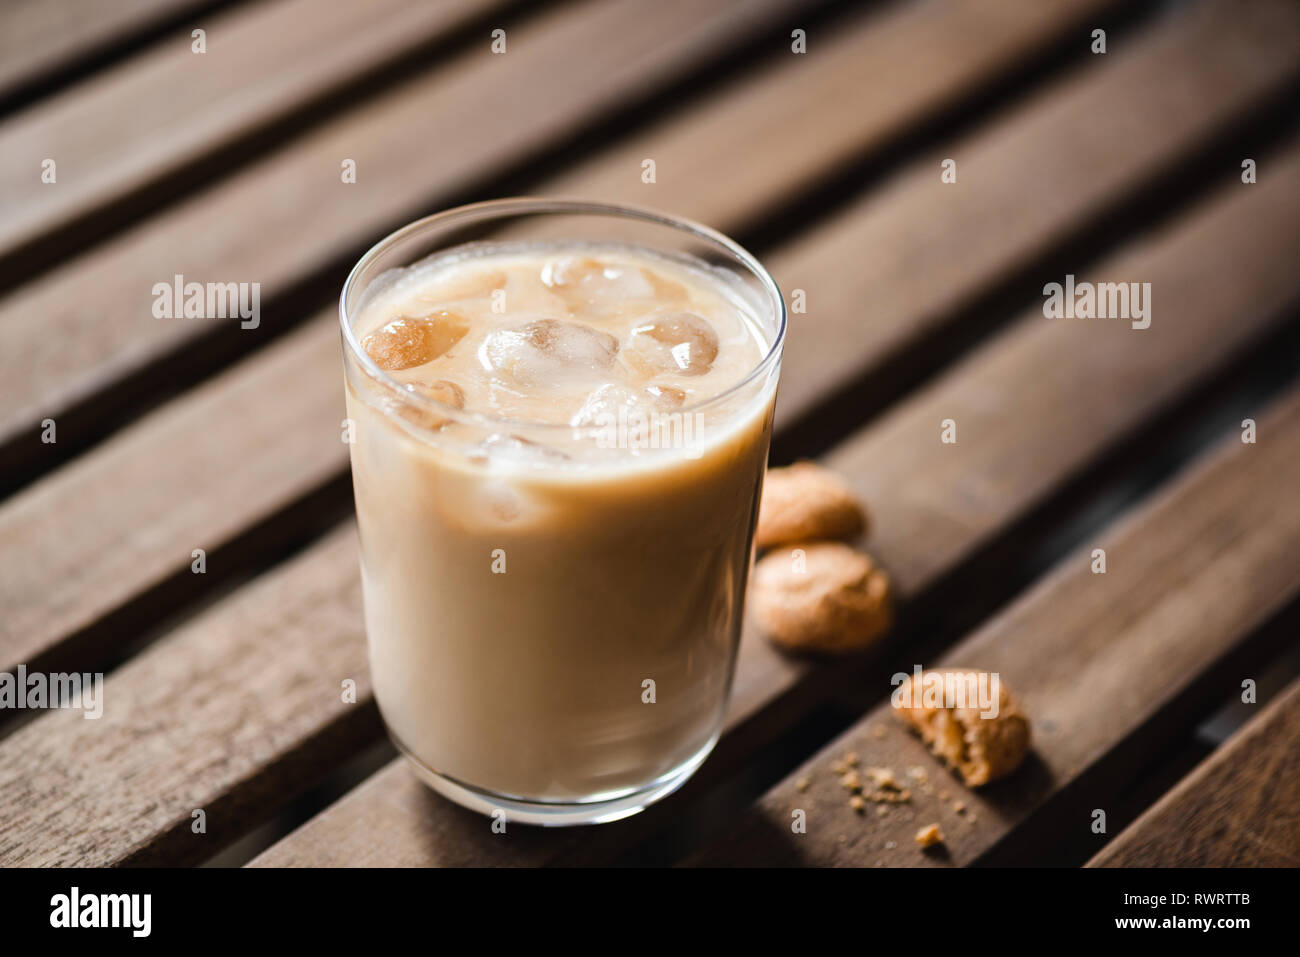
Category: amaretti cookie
[821,596]
[806,502]
[981,749]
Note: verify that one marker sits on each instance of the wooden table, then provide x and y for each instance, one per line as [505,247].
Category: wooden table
[924,302]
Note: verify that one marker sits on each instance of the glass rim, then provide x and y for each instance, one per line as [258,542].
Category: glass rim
[526,204]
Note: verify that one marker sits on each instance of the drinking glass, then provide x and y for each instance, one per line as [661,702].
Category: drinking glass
[553,636]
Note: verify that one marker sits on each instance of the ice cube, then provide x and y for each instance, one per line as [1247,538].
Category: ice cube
[444,391]
[667,396]
[526,297]
[674,342]
[604,287]
[601,407]
[498,448]
[546,349]
[499,496]
[409,341]
[617,416]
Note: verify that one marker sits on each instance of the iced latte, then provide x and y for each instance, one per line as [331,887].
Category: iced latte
[558,445]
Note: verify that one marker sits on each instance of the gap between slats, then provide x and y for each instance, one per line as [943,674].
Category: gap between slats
[1238,808]
[103,35]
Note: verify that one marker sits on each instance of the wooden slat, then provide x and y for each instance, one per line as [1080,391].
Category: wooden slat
[857,89]
[129,126]
[339,576]
[1030,415]
[196,474]
[41,37]
[1025,186]
[1239,808]
[65,357]
[1094,659]
[193,725]
[40,519]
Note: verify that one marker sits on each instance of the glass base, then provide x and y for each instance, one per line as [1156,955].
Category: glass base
[600,809]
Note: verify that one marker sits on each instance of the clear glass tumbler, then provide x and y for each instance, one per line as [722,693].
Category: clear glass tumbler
[555,636]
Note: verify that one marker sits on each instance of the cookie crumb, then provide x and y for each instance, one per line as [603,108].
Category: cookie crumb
[801,785]
[851,759]
[959,808]
[857,804]
[882,810]
[851,781]
[884,778]
[929,835]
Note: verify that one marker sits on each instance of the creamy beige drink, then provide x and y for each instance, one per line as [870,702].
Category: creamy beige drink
[557,457]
